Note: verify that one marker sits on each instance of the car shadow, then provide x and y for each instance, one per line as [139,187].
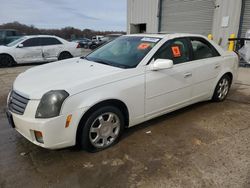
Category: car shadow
[155,121]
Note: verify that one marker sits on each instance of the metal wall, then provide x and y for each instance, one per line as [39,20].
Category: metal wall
[232,10]
[142,11]
[147,11]
[245,25]
[187,16]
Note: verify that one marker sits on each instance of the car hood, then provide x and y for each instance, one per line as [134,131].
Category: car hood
[72,75]
[3,48]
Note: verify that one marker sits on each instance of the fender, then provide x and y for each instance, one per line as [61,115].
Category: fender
[135,105]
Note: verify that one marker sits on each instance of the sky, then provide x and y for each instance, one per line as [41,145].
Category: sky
[92,14]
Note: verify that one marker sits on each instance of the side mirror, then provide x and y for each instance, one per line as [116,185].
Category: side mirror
[160,64]
[20,46]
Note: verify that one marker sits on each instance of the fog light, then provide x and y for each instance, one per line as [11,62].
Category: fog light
[68,120]
[39,136]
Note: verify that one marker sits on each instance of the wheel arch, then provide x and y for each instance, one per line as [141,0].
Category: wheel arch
[64,51]
[109,102]
[230,76]
[229,73]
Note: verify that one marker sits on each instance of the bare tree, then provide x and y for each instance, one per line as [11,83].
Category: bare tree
[68,33]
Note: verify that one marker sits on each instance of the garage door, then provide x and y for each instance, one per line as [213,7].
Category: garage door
[189,16]
[246,18]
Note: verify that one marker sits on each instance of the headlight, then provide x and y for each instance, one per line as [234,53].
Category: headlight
[51,103]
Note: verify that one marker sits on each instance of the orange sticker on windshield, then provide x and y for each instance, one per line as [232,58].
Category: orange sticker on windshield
[143,46]
[176,51]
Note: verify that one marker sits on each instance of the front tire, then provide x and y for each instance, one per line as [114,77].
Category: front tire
[6,61]
[222,89]
[102,129]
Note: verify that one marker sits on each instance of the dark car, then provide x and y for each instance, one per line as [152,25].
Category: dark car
[83,42]
[8,35]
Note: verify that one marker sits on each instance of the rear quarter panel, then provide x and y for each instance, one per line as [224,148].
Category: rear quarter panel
[72,48]
[229,64]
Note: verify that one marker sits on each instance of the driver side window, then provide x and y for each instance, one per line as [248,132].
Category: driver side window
[176,50]
[31,42]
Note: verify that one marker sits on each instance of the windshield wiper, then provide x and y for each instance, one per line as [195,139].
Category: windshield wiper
[83,57]
[103,62]
[106,62]
[95,60]
[122,66]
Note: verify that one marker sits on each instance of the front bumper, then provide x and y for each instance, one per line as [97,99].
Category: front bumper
[55,134]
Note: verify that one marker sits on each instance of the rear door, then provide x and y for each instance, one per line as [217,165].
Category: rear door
[207,65]
[31,52]
[171,88]
[51,47]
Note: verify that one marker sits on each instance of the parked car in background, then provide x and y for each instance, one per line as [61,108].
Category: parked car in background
[96,42]
[111,37]
[8,35]
[97,38]
[104,40]
[38,49]
[90,100]
[83,42]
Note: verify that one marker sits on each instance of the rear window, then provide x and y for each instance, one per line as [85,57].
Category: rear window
[202,49]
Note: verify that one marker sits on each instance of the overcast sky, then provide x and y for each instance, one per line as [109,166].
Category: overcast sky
[92,14]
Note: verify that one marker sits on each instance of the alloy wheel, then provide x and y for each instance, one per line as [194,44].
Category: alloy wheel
[104,130]
[223,88]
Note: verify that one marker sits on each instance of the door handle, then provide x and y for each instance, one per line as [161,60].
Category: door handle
[188,74]
[217,66]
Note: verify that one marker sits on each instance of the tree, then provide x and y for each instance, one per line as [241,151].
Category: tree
[68,33]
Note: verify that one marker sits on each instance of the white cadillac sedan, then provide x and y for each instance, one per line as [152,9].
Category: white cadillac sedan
[90,100]
[37,49]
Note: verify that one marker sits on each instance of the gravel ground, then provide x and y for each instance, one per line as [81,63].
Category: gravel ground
[204,145]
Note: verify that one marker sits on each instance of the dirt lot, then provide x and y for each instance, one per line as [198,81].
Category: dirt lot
[205,145]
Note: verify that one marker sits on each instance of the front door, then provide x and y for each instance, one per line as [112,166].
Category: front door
[169,88]
[30,52]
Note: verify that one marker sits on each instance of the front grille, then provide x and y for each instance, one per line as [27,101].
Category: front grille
[17,103]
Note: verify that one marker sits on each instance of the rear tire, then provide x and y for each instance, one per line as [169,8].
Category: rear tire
[92,47]
[222,89]
[6,61]
[102,129]
[64,55]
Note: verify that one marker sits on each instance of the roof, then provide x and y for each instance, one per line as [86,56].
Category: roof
[32,36]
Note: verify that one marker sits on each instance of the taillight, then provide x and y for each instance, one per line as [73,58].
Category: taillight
[78,46]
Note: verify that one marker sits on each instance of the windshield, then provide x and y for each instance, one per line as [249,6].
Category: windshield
[15,42]
[124,52]
[1,34]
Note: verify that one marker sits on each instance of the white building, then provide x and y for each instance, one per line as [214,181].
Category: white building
[217,17]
